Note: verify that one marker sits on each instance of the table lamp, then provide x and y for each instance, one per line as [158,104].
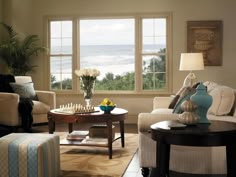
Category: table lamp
[191,62]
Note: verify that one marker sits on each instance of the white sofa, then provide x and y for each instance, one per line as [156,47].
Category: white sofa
[9,115]
[186,159]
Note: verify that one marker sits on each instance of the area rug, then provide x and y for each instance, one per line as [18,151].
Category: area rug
[89,161]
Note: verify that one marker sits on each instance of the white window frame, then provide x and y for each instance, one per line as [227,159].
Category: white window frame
[168,18]
[138,51]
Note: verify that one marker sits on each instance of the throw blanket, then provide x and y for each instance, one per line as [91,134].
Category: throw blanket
[25,106]
[5,80]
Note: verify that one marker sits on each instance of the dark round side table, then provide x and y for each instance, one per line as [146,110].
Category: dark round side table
[217,133]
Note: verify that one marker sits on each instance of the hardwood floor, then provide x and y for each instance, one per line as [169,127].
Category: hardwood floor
[133,170]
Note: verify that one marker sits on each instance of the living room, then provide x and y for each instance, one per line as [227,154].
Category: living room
[30,17]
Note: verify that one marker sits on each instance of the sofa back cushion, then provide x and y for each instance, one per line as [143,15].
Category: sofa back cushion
[223,99]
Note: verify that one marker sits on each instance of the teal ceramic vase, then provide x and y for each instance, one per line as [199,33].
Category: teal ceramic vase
[203,101]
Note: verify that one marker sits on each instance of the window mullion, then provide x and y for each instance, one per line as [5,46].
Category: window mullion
[138,54]
[75,56]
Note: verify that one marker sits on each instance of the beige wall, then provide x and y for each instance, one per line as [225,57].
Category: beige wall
[1,13]
[7,11]
[1,10]
[28,15]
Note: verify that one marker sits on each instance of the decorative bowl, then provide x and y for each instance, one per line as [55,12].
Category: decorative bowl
[106,109]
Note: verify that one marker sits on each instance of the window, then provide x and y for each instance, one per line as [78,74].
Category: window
[108,45]
[61,55]
[131,53]
[154,53]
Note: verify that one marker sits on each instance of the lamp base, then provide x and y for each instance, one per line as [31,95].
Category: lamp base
[190,80]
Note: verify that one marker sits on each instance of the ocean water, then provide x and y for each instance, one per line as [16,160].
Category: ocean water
[117,59]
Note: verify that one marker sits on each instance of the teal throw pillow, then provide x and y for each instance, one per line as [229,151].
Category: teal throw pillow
[25,90]
[186,94]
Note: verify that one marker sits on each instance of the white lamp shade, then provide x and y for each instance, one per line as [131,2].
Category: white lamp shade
[191,62]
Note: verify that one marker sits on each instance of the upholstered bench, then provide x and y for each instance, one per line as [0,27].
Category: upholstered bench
[29,155]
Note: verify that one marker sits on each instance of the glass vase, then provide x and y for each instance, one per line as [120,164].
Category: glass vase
[88,84]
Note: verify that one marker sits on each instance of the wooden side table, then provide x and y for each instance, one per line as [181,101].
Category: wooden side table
[218,133]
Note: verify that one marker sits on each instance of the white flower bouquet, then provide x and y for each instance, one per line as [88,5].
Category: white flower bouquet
[87,72]
[87,78]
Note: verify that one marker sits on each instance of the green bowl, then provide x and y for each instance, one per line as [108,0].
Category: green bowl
[106,109]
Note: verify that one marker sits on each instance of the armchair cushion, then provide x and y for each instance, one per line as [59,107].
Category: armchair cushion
[40,108]
[25,90]
[145,120]
[162,111]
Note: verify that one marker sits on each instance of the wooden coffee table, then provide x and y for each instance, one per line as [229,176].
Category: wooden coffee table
[117,115]
[218,133]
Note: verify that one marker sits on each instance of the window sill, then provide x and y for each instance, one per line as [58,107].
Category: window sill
[117,93]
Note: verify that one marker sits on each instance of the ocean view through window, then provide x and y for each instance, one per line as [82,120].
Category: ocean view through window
[114,46]
[108,45]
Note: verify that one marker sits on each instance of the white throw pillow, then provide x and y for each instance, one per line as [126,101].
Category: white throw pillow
[210,85]
[223,100]
[25,90]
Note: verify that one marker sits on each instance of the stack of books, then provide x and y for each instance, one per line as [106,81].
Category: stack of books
[77,135]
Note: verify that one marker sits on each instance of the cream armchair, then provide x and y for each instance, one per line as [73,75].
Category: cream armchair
[9,115]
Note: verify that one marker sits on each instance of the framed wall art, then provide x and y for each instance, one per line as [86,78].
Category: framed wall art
[206,37]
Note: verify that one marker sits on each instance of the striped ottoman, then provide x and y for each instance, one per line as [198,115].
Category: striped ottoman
[29,155]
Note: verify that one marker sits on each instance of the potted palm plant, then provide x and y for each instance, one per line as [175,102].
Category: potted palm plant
[16,53]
